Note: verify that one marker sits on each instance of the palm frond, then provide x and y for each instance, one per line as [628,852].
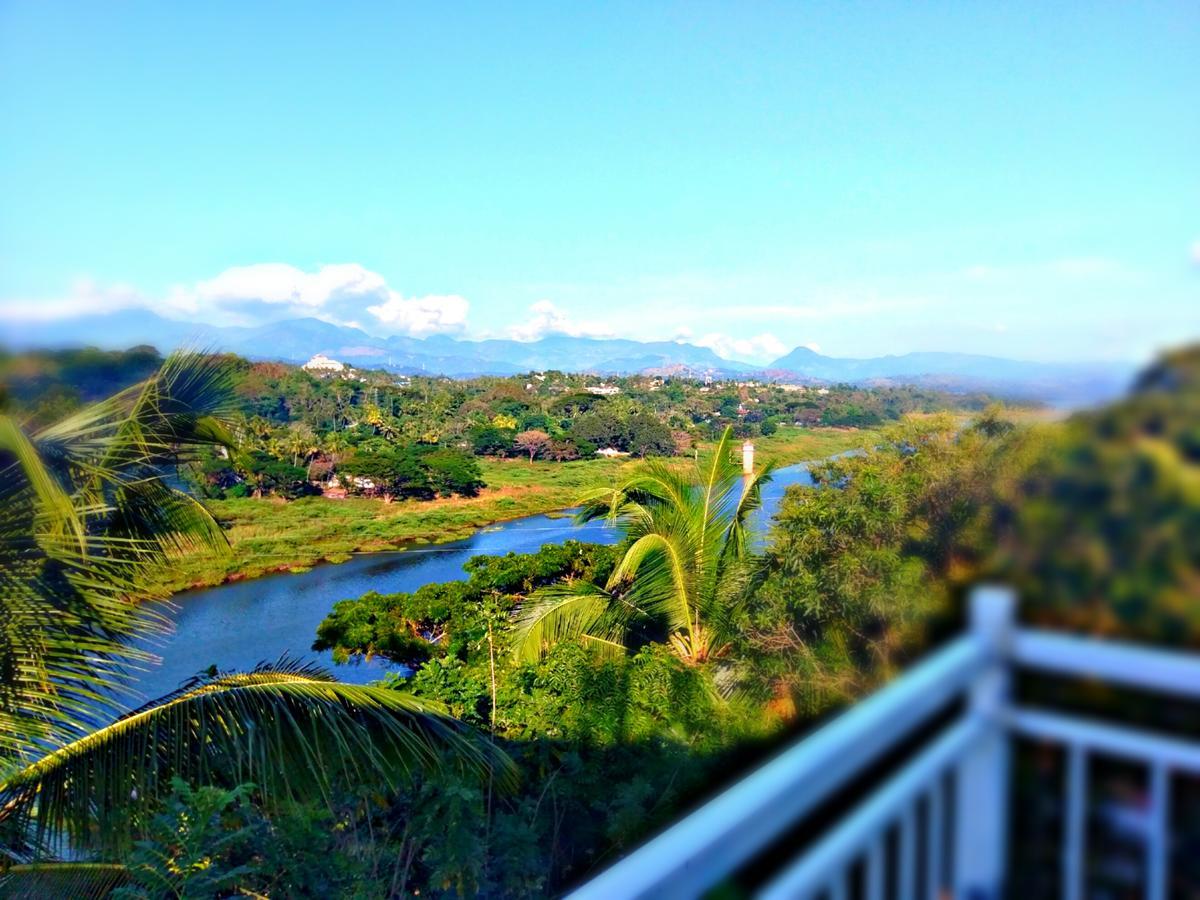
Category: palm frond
[688,546]
[600,503]
[86,521]
[570,609]
[36,881]
[293,731]
[657,572]
[24,472]
[737,541]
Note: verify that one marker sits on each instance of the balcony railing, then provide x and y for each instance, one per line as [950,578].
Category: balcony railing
[946,806]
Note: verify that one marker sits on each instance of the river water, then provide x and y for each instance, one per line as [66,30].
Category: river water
[238,625]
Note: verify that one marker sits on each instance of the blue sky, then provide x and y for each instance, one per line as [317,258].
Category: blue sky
[1017,179]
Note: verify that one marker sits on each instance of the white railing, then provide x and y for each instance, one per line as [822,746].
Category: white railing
[944,812]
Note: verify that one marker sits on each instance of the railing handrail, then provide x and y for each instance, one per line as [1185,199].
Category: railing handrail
[840,846]
[1120,741]
[1120,662]
[707,845]
[698,851]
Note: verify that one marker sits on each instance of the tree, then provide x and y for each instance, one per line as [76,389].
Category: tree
[532,442]
[388,469]
[600,427]
[270,475]
[301,442]
[649,436]
[89,523]
[453,472]
[687,541]
[490,441]
[564,451]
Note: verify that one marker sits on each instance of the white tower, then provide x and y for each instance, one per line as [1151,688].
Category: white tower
[748,458]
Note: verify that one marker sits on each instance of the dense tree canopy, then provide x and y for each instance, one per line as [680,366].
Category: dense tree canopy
[287,420]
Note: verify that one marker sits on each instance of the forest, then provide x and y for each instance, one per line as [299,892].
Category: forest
[555,707]
[375,434]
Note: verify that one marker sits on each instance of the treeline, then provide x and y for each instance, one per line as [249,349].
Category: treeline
[378,434]
[48,384]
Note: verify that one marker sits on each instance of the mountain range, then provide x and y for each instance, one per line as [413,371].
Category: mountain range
[296,340]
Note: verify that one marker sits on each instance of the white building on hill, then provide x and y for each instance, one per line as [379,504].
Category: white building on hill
[322,363]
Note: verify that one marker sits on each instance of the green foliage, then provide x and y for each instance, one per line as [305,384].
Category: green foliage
[265,474]
[856,563]
[210,842]
[199,845]
[607,746]
[489,440]
[686,544]
[1090,518]
[49,385]
[452,472]
[447,619]
[89,520]
[1098,519]
[379,467]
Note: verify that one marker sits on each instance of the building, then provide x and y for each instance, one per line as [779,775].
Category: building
[610,452]
[322,364]
[604,390]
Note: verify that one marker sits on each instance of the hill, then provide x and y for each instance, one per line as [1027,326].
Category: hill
[295,340]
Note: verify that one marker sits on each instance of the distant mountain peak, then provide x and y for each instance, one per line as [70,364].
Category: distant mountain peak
[297,340]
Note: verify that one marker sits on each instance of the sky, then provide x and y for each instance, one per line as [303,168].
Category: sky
[1018,179]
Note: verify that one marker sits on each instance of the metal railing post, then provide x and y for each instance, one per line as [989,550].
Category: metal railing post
[981,813]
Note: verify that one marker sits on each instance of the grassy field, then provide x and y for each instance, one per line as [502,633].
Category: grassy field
[270,535]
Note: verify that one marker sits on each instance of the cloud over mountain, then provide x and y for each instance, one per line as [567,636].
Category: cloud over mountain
[547,319]
[345,294]
[341,294]
[759,348]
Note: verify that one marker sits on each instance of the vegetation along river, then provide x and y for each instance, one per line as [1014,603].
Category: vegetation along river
[238,625]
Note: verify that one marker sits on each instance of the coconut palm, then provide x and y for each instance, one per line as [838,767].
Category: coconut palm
[687,544]
[87,523]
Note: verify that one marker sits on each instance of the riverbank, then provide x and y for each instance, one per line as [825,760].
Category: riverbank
[269,535]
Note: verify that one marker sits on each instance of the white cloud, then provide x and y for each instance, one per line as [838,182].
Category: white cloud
[760,348]
[85,298]
[422,316]
[1196,252]
[344,294]
[548,319]
[279,283]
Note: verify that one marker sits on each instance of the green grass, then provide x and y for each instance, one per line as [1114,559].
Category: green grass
[270,535]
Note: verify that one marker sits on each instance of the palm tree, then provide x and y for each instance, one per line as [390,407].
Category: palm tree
[687,544]
[86,523]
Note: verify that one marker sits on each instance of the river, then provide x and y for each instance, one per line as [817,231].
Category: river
[238,625]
